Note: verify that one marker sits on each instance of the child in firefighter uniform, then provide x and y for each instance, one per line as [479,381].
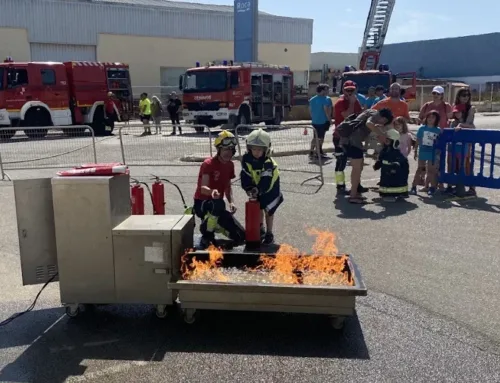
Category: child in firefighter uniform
[214,182]
[394,169]
[260,179]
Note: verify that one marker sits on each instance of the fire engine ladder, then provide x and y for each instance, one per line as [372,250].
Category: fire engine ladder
[376,28]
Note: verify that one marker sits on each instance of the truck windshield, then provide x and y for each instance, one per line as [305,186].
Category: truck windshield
[1,78]
[365,81]
[205,81]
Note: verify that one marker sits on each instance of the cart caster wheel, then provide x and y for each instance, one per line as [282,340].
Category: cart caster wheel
[161,311]
[73,311]
[337,322]
[190,316]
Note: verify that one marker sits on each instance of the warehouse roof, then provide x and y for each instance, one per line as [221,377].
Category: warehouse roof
[171,4]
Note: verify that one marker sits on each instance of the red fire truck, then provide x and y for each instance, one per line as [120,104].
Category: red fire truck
[60,94]
[236,93]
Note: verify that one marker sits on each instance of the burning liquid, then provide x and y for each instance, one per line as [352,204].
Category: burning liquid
[287,266]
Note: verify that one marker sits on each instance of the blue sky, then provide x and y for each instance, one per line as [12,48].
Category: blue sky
[339,25]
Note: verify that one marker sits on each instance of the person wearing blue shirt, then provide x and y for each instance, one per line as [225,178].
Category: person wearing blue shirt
[371,98]
[425,152]
[361,99]
[379,94]
[320,107]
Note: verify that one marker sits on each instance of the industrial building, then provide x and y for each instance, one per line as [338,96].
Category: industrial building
[334,60]
[472,59]
[159,39]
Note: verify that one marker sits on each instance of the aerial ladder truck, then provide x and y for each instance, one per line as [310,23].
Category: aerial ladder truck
[370,72]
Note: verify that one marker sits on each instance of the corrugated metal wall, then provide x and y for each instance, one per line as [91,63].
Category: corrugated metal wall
[59,52]
[454,57]
[79,22]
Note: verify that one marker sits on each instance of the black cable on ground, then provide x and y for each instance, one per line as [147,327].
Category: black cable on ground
[31,307]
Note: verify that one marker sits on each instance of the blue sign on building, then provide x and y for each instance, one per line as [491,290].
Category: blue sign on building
[246,30]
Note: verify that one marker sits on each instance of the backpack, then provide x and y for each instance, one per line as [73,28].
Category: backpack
[347,127]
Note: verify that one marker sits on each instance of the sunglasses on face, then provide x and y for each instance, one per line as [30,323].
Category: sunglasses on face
[436,94]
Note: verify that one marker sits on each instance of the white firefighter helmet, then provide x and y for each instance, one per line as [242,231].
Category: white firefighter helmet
[259,138]
[393,135]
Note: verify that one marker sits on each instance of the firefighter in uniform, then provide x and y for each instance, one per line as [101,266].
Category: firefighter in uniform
[214,183]
[394,169]
[260,178]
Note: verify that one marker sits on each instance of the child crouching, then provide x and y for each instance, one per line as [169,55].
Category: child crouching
[394,169]
[260,179]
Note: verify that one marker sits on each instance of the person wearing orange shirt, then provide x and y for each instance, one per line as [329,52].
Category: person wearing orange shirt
[393,102]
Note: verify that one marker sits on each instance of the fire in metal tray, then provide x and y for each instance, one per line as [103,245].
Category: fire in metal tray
[288,266]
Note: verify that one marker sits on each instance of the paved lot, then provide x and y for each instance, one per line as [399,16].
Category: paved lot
[432,268]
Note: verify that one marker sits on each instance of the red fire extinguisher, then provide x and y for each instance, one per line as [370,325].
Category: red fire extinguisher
[252,223]
[158,195]
[137,199]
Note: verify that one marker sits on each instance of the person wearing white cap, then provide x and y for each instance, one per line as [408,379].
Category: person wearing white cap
[442,107]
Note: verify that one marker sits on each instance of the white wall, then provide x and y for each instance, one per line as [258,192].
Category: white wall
[334,60]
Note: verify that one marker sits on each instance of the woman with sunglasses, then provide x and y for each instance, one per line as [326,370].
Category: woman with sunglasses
[445,113]
[462,118]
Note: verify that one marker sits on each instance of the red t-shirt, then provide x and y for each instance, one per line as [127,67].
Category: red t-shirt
[110,106]
[341,105]
[220,173]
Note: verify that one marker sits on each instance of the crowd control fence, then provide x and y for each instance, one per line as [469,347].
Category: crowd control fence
[291,149]
[470,158]
[50,147]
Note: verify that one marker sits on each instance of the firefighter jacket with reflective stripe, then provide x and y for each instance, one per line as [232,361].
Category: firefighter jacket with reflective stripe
[261,173]
[394,171]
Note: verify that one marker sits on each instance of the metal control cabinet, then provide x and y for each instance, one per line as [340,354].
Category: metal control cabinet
[86,209]
[148,250]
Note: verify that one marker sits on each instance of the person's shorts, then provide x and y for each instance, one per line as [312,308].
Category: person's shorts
[145,117]
[321,129]
[353,152]
[270,203]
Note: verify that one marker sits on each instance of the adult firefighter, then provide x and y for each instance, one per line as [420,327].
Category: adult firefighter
[214,183]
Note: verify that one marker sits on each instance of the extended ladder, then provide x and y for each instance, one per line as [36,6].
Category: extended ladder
[376,28]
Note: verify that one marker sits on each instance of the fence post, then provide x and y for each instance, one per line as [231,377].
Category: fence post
[421,97]
[93,144]
[320,159]
[1,168]
[491,98]
[121,145]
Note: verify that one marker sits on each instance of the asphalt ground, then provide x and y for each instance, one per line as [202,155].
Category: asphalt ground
[432,268]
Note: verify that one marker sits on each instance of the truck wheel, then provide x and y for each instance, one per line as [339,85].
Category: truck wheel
[199,129]
[99,123]
[244,119]
[37,117]
[7,134]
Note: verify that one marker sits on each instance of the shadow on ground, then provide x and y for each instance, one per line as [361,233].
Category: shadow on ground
[132,333]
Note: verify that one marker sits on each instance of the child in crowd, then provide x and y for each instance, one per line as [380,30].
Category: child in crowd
[405,139]
[260,179]
[425,152]
[394,169]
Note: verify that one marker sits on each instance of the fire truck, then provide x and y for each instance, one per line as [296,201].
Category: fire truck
[236,93]
[371,73]
[42,94]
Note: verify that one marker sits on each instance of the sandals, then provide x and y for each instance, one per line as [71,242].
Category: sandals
[357,200]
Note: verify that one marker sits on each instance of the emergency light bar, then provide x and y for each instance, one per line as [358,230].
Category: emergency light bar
[383,67]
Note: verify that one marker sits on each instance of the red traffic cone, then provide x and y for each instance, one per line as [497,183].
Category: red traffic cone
[305,132]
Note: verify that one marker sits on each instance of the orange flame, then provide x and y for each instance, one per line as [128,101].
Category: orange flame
[287,266]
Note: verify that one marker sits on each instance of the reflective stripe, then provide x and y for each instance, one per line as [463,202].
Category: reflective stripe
[256,174]
[401,189]
[340,178]
[389,163]
[274,203]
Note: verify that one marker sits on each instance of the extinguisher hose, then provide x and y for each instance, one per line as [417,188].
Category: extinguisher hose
[178,189]
[146,186]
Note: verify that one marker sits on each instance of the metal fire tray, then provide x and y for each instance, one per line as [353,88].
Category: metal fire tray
[337,301]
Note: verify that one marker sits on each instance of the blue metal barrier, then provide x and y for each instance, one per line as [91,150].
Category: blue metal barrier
[461,145]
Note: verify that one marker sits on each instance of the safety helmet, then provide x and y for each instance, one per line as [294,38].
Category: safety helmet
[259,138]
[226,139]
[393,135]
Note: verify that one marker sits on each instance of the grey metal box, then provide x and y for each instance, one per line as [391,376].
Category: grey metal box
[35,224]
[85,211]
[147,252]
